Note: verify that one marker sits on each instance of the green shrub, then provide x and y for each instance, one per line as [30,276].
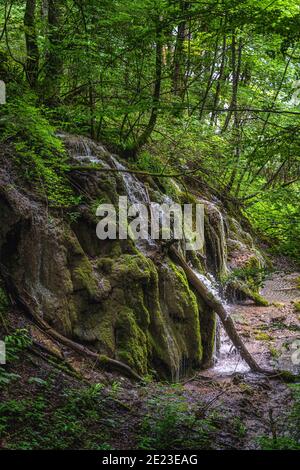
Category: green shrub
[40,155]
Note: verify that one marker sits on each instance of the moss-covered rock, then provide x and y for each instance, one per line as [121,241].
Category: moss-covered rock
[107,294]
[131,342]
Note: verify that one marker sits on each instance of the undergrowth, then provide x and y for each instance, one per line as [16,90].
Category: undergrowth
[40,155]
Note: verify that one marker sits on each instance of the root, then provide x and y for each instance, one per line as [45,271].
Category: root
[102,361]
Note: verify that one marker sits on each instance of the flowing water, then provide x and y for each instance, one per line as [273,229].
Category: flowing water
[227,360]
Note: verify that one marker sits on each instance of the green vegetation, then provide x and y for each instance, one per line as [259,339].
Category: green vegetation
[173,86]
[297,306]
[15,344]
[288,438]
[202,98]
[171,423]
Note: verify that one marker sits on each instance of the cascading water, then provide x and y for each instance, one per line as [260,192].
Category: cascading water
[135,189]
[84,150]
[227,359]
[216,236]
[137,194]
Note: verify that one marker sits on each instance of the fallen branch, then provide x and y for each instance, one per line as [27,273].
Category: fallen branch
[229,326]
[102,169]
[218,308]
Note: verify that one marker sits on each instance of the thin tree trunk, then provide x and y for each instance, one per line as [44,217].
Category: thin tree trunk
[236,59]
[219,82]
[32,50]
[210,80]
[143,138]
[54,62]
[179,55]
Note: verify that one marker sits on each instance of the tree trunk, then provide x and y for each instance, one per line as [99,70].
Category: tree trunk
[54,62]
[214,113]
[236,60]
[179,55]
[143,138]
[32,50]
[218,308]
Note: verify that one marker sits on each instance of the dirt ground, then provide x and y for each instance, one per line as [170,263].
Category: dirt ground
[242,406]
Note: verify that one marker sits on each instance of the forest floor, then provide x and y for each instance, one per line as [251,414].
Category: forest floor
[226,407]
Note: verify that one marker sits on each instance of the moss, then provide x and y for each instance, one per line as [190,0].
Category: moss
[288,377]
[278,304]
[187,198]
[260,336]
[84,278]
[297,305]
[131,341]
[130,267]
[252,263]
[274,352]
[259,299]
[105,264]
[180,327]
[103,359]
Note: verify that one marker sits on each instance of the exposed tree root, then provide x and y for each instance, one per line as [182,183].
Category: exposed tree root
[55,360]
[102,361]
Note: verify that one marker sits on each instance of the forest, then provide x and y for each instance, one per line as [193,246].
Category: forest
[133,343]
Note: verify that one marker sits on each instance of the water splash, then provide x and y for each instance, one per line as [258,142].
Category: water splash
[228,360]
[211,284]
[135,189]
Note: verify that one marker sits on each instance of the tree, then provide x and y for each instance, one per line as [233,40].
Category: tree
[32,50]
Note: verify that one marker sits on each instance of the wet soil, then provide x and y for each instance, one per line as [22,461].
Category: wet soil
[240,405]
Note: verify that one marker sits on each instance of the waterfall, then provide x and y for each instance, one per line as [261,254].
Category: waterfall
[227,359]
[217,236]
[137,193]
[83,149]
[135,189]
[211,284]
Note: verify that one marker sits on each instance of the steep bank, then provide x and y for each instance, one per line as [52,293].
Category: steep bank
[128,301]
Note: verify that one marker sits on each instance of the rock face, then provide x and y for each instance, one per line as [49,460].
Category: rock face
[130,304]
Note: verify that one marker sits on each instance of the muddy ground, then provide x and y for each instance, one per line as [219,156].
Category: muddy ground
[226,407]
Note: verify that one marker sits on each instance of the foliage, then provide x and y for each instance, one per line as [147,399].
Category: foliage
[15,344]
[171,423]
[67,424]
[206,86]
[41,157]
[288,439]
